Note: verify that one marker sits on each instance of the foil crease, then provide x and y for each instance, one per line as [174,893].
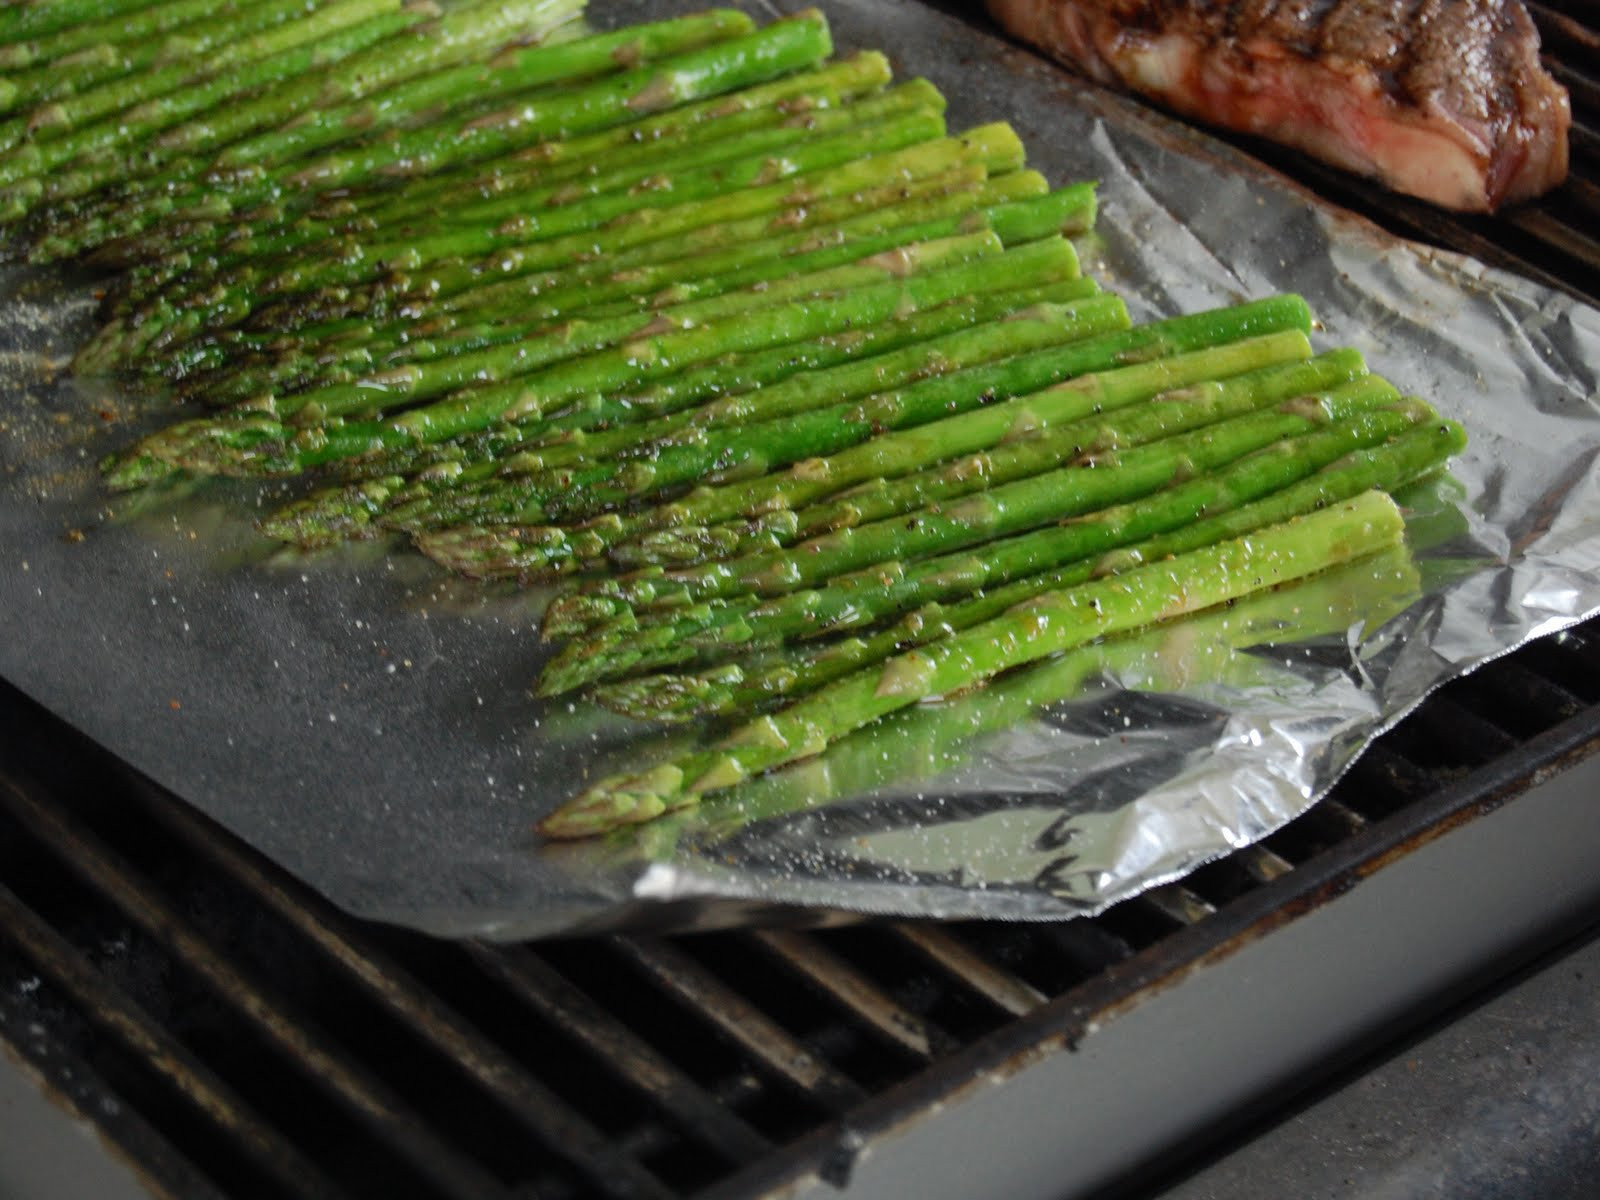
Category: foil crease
[368,723]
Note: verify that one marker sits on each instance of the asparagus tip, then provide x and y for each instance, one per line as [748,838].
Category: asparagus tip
[614,803]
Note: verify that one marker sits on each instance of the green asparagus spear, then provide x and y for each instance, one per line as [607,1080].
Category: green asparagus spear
[1261,489]
[804,199]
[260,445]
[1032,373]
[261,365]
[719,455]
[831,198]
[461,35]
[116,150]
[474,239]
[735,191]
[788,44]
[516,71]
[1052,623]
[91,54]
[888,579]
[1033,422]
[542,346]
[250,365]
[638,178]
[928,740]
[173,28]
[849,364]
[172,200]
[71,127]
[109,19]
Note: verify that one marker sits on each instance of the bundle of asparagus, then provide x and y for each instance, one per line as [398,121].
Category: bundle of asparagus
[807,398]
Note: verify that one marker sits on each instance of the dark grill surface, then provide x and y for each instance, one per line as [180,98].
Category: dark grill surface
[260,1041]
[239,1037]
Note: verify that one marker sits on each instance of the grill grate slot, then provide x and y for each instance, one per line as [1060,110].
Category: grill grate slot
[1179,904]
[427,1021]
[1516,698]
[152,1069]
[964,967]
[1560,34]
[807,959]
[617,1051]
[221,1005]
[1053,959]
[766,1042]
[903,967]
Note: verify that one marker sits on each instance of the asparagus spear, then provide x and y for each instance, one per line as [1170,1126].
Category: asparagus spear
[180,137]
[507,73]
[172,199]
[911,112]
[181,247]
[888,580]
[70,127]
[541,548]
[540,346]
[21,23]
[1261,489]
[251,365]
[820,203]
[460,35]
[1032,423]
[723,373]
[788,44]
[89,54]
[793,96]
[1059,621]
[339,351]
[911,141]
[928,740]
[849,364]
[475,238]
[260,445]
[718,455]
[805,199]
[49,34]
[1028,327]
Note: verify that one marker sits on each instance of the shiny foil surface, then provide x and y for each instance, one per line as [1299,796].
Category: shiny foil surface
[368,722]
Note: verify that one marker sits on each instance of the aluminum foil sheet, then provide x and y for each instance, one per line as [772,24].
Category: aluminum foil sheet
[368,723]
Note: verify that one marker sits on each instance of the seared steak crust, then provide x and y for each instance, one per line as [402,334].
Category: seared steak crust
[1443,99]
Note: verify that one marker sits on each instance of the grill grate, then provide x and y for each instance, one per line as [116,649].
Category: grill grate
[236,1036]
[274,1047]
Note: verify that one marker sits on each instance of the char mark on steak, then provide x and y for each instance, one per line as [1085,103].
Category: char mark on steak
[1441,99]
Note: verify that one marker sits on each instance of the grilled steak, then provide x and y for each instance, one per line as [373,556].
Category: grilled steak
[1442,99]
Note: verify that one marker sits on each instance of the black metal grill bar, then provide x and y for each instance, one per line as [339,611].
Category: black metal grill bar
[970,970]
[386,981]
[1179,904]
[1560,33]
[634,1061]
[359,1090]
[1262,864]
[847,988]
[1557,235]
[118,1017]
[766,1042]
[81,1084]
